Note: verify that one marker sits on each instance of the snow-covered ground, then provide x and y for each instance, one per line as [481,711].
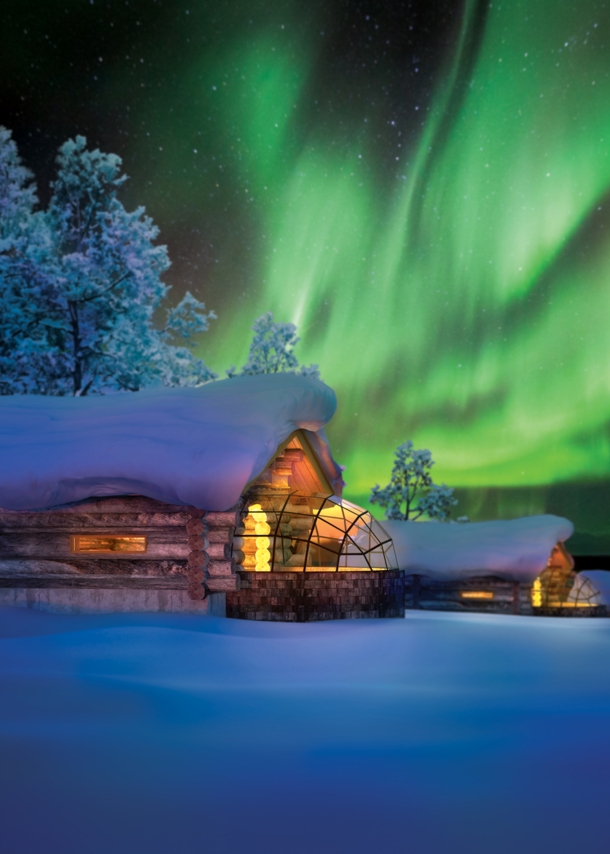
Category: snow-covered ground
[436,733]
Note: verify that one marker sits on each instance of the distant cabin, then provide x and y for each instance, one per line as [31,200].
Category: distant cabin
[519,566]
[560,591]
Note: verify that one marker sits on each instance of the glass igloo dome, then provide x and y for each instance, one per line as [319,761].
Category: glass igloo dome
[311,533]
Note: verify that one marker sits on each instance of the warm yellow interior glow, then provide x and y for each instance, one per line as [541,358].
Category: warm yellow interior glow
[333,519]
[262,528]
[257,520]
[476,594]
[307,534]
[572,604]
[85,544]
[537,594]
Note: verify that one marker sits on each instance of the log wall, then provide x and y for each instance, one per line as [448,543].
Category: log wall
[424,593]
[187,549]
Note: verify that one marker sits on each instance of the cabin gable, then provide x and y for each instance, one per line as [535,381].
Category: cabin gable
[294,467]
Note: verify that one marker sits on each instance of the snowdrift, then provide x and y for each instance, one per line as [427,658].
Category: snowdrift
[193,446]
[516,549]
[180,734]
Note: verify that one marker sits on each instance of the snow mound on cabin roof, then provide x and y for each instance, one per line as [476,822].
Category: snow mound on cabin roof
[194,446]
[515,549]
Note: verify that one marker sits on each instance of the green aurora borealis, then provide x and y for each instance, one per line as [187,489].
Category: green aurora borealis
[451,279]
[469,308]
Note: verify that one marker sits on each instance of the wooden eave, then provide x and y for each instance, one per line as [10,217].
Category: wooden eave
[307,475]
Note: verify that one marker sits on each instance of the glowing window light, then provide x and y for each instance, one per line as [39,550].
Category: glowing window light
[311,533]
[476,594]
[537,594]
[262,530]
[106,544]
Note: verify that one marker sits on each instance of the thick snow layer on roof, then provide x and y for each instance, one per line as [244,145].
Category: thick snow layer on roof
[195,446]
[516,549]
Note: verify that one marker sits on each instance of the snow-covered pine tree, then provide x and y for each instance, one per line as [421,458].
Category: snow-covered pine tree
[21,232]
[17,191]
[81,283]
[411,493]
[271,350]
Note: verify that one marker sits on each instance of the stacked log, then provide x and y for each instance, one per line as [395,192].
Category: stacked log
[221,569]
[186,548]
[463,595]
[198,559]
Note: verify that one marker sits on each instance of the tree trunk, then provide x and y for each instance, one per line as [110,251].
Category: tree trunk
[77,371]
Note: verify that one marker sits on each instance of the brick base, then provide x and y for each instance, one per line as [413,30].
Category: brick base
[302,597]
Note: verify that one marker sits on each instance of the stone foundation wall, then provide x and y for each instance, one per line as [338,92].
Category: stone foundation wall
[308,596]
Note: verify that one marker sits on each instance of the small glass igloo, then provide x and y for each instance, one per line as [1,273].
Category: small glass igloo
[311,533]
[560,588]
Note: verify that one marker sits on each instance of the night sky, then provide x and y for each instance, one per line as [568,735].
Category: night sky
[189,96]
[422,187]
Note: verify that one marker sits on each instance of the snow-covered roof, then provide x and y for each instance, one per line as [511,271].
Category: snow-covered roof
[194,446]
[516,549]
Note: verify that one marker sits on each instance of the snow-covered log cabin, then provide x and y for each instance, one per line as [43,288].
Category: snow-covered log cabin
[187,500]
[516,566]
[225,499]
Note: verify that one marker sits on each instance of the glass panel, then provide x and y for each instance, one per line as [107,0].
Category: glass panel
[313,533]
[583,594]
[561,587]
[537,593]
[102,544]
[256,540]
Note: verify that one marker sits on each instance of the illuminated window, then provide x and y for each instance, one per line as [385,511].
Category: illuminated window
[106,544]
[256,540]
[476,594]
[537,593]
[312,533]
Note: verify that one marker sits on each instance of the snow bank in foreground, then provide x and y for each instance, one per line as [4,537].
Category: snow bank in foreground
[196,446]
[516,549]
[436,734]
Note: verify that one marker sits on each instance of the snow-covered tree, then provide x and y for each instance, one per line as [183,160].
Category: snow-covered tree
[411,493]
[81,282]
[17,191]
[437,503]
[271,350]
[21,230]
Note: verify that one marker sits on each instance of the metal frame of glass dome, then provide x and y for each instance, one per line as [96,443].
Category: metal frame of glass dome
[561,588]
[312,533]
